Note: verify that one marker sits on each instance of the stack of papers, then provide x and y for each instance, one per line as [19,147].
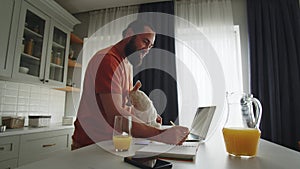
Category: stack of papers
[184,152]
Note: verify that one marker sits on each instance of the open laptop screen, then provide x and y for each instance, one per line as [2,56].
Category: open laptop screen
[201,123]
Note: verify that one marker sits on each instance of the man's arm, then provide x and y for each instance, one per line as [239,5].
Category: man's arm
[112,104]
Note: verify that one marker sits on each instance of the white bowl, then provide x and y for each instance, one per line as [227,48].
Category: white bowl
[24,70]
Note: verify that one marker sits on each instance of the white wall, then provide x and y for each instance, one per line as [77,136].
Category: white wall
[19,99]
[239,8]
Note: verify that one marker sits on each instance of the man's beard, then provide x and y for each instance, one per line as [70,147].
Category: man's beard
[132,54]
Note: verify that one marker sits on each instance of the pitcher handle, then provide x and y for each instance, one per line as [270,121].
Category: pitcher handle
[258,111]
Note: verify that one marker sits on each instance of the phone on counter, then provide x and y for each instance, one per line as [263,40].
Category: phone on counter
[148,162]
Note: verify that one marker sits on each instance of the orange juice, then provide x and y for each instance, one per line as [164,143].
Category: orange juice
[122,143]
[241,141]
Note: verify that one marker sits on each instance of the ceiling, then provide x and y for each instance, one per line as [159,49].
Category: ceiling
[78,6]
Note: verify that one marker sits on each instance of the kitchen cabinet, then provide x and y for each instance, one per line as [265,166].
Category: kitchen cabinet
[9,149]
[43,43]
[74,67]
[9,21]
[74,77]
[22,146]
[9,164]
[38,146]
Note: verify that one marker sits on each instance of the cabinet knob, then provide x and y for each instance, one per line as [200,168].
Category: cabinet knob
[46,81]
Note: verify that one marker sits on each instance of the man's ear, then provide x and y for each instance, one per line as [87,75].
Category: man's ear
[129,33]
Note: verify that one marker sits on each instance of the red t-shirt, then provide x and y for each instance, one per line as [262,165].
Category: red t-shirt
[107,72]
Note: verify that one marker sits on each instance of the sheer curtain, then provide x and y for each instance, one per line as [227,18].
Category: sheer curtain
[210,23]
[105,29]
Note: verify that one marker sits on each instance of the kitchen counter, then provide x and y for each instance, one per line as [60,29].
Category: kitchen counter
[30,130]
[210,155]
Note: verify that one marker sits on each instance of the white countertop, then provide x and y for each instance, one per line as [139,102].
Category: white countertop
[210,155]
[29,130]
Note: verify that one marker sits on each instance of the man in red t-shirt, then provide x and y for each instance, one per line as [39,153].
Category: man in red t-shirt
[108,80]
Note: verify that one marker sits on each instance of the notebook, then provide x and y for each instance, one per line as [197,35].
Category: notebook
[183,152]
[201,123]
[188,150]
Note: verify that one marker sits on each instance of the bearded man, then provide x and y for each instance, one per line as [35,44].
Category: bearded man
[108,80]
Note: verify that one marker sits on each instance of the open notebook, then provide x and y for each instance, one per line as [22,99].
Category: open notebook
[188,150]
[183,152]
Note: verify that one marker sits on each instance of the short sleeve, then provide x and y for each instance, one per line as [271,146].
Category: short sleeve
[109,76]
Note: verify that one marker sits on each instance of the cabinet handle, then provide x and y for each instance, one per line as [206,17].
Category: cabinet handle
[2,148]
[43,80]
[49,145]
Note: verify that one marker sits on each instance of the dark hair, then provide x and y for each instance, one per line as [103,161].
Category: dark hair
[137,26]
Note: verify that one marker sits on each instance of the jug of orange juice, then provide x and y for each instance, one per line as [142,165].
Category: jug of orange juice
[241,131]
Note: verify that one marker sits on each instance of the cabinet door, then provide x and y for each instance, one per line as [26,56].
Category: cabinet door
[31,48]
[38,146]
[9,164]
[9,147]
[8,29]
[57,60]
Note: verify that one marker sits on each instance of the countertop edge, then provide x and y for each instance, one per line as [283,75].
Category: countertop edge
[30,130]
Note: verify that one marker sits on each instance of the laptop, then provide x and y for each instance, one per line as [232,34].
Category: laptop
[200,124]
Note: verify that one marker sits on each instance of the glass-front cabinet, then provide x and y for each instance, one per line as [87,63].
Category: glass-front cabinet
[9,24]
[41,48]
[56,69]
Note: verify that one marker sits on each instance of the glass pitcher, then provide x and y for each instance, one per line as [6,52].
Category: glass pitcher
[241,131]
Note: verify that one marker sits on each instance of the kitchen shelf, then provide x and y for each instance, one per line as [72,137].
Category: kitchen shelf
[56,65]
[75,39]
[73,63]
[57,45]
[29,32]
[30,57]
[69,89]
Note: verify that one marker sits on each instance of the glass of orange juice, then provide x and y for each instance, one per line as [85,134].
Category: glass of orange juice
[241,131]
[122,133]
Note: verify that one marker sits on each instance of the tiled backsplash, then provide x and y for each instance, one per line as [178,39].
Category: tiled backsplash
[25,99]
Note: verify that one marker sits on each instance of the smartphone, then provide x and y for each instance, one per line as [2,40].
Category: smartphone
[148,162]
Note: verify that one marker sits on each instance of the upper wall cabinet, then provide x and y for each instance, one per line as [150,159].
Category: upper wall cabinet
[42,43]
[9,10]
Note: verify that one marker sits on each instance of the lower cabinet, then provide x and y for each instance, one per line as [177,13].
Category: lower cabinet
[39,146]
[9,164]
[9,149]
[22,149]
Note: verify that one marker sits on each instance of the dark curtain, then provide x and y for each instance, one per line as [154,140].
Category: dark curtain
[274,34]
[160,72]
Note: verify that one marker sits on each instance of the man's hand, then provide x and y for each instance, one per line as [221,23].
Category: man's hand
[158,119]
[175,135]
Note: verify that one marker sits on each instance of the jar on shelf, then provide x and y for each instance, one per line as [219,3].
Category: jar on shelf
[58,58]
[52,56]
[29,47]
[23,45]
[36,29]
